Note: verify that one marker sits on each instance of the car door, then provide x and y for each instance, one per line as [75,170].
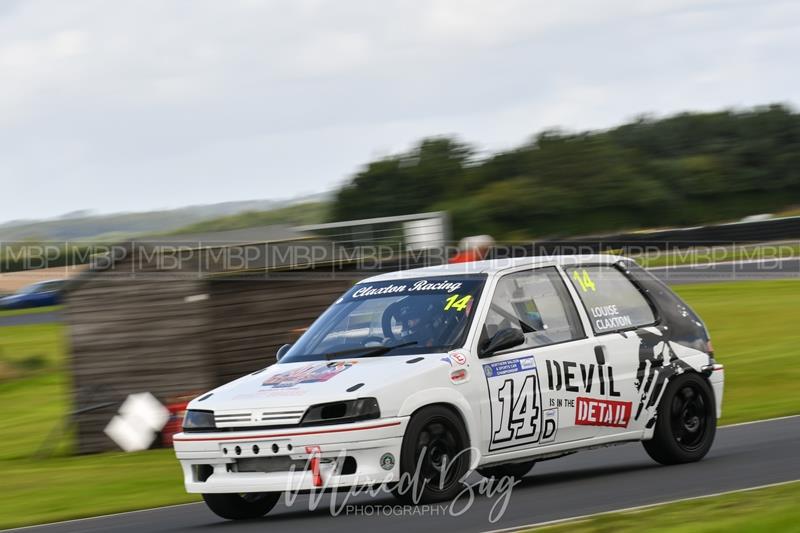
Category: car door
[530,389]
[618,314]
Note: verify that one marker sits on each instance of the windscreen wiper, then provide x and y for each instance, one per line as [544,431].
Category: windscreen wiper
[365,351]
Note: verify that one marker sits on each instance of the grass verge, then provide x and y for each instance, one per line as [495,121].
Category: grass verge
[31,348]
[59,488]
[759,510]
[716,254]
[754,329]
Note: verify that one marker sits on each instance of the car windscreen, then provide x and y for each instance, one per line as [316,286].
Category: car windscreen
[396,317]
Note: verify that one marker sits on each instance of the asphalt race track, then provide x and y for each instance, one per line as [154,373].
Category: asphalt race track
[30,318]
[589,482]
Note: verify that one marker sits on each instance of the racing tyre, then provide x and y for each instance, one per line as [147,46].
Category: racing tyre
[686,423]
[514,470]
[242,506]
[435,457]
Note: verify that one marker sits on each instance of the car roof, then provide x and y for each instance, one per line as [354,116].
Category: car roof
[493,266]
[46,282]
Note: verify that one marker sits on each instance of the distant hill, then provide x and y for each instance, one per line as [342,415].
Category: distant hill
[84,226]
[296,215]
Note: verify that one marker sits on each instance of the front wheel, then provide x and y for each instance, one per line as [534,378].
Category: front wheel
[687,422]
[242,506]
[434,458]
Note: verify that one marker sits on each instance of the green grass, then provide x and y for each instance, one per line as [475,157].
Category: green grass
[37,405]
[38,491]
[59,486]
[753,325]
[32,311]
[761,510]
[30,348]
[789,212]
[754,329]
[716,254]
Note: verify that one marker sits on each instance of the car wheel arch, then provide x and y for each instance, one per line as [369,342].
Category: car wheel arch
[458,413]
[453,402]
[650,430]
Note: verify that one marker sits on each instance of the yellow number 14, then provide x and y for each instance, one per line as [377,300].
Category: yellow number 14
[455,303]
[584,280]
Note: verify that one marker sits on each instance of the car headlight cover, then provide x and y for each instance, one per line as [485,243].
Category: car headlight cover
[196,420]
[342,412]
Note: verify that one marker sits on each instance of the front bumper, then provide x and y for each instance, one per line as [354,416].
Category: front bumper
[301,458]
[717,380]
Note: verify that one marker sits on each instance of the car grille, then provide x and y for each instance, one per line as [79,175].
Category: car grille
[258,418]
[271,464]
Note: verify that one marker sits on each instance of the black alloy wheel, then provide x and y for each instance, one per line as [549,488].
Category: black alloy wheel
[686,422]
[434,457]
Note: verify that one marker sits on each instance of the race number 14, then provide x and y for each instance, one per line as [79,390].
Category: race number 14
[519,413]
[457,302]
[584,280]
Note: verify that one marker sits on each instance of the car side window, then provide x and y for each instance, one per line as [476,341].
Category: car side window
[612,301]
[47,287]
[537,303]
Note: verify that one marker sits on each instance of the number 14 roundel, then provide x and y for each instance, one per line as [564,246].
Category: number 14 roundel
[516,405]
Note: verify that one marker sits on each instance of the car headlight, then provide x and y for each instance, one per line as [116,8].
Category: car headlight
[196,420]
[342,412]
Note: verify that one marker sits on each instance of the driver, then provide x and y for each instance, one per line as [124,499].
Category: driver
[416,317]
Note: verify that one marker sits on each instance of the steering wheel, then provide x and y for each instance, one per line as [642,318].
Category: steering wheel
[386,320]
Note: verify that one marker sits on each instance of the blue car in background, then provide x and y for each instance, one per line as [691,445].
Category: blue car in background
[39,294]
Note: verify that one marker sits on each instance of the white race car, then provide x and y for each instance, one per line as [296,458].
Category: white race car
[420,376]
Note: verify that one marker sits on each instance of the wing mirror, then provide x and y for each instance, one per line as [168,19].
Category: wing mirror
[502,340]
[282,351]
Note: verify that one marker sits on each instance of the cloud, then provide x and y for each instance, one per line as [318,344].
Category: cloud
[116,105]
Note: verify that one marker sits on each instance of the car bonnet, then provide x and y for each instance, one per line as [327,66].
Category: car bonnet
[306,383]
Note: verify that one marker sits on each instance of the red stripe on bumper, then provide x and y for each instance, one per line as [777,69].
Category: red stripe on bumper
[274,435]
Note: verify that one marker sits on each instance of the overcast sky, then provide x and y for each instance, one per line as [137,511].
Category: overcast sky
[119,105]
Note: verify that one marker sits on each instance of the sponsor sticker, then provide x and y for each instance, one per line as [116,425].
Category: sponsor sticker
[605,413]
[387,461]
[501,368]
[307,374]
[459,358]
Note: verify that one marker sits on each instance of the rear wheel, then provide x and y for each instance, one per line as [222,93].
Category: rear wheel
[687,422]
[242,506]
[514,470]
[434,458]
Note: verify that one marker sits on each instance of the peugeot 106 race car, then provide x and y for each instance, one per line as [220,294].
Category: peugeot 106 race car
[421,376]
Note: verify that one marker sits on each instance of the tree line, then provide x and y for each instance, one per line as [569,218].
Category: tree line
[681,170]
